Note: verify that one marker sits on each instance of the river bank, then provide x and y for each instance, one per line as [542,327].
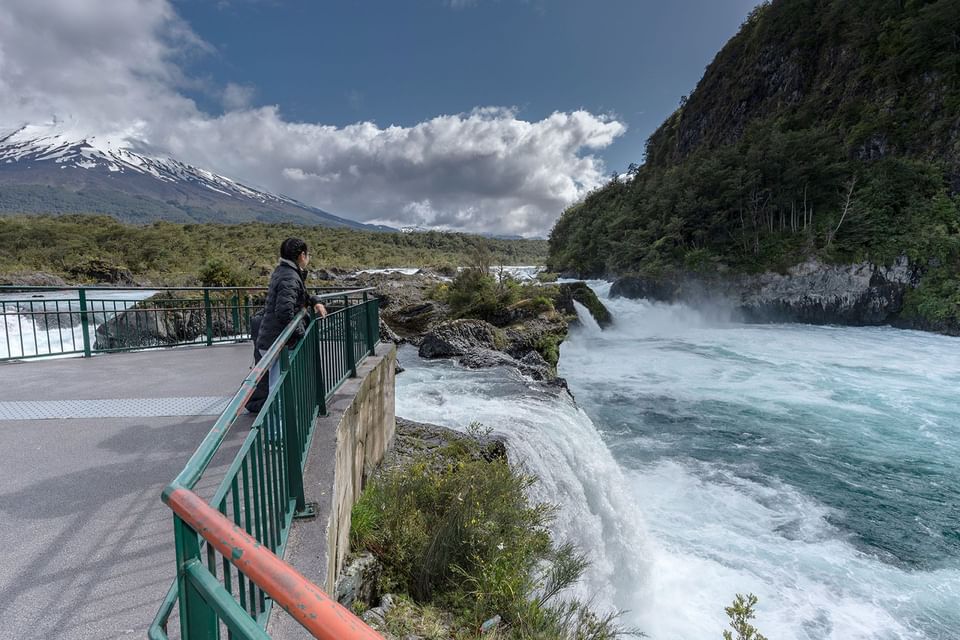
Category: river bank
[813,292]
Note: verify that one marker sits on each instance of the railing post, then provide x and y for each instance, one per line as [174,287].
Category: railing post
[348,337]
[198,621]
[291,435]
[209,313]
[367,325]
[84,323]
[235,309]
[321,385]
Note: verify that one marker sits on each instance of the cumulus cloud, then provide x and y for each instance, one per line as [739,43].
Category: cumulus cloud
[237,96]
[115,69]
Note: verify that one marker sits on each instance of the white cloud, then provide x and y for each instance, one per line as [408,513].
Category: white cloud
[237,96]
[116,68]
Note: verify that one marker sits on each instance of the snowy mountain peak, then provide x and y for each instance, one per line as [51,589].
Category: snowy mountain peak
[35,144]
[58,168]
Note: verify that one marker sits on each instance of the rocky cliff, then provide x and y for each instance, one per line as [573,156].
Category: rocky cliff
[860,294]
[825,132]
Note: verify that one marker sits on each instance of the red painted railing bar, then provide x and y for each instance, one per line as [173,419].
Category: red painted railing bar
[322,616]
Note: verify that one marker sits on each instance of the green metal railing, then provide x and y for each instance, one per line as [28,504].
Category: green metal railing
[46,321]
[262,490]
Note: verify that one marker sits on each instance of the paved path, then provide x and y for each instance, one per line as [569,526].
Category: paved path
[86,546]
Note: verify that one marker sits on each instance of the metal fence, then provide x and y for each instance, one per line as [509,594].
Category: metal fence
[48,321]
[218,591]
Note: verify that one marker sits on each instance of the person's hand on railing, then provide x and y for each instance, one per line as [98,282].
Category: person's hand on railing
[320,310]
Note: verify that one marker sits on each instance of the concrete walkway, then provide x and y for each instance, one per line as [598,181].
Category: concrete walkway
[86,546]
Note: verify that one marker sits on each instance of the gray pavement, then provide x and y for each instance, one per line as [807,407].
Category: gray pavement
[86,545]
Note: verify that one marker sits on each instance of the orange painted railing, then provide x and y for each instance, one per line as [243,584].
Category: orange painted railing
[318,613]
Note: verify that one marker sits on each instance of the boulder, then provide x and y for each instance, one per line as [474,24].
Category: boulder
[571,292]
[164,318]
[359,580]
[458,338]
[414,439]
[415,318]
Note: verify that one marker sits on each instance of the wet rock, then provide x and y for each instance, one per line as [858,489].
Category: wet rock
[359,580]
[811,292]
[417,317]
[458,338]
[388,335]
[164,318]
[571,292]
[419,439]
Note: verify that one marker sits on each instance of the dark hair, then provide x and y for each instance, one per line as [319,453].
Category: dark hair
[291,248]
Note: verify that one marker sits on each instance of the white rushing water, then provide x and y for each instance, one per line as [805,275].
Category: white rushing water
[817,467]
[47,322]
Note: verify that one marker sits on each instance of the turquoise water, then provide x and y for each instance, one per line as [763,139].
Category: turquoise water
[818,467]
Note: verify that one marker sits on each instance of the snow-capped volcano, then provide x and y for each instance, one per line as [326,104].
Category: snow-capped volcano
[49,169]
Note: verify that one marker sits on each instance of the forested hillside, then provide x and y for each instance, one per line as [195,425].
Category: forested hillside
[824,128]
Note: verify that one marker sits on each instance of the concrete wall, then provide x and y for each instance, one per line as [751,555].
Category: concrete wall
[365,429]
[348,442]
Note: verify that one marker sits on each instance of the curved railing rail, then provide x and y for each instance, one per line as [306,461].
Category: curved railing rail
[45,321]
[261,493]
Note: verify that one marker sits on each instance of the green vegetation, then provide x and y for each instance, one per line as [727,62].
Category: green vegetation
[824,128]
[180,254]
[740,614]
[455,531]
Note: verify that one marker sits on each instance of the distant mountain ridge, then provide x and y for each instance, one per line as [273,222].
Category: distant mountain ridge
[46,169]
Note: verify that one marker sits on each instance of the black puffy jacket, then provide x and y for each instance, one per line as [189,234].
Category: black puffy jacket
[286,296]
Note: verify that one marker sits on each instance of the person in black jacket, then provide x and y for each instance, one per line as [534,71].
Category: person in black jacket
[286,296]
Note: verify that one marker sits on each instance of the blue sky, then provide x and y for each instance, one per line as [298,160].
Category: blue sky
[468,115]
[404,61]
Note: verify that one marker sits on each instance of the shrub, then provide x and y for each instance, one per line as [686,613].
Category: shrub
[221,272]
[476,294]
[740,614]
[455,530]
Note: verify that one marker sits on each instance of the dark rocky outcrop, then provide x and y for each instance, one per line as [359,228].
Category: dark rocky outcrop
[416,439]
[571,292]
[811,292]
[162,319]
[33,279]
[477,344]
[406,302]
[524,336]
[359,581]
[417,317]
[459,338]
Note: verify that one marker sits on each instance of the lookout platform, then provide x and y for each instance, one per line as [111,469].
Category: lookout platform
[86,447]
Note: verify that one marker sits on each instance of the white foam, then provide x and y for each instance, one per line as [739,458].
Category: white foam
[672,540]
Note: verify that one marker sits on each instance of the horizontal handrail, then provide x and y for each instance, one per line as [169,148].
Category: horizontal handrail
[18,287]
[208,447]
[78,320]
[262,489]
[322,616]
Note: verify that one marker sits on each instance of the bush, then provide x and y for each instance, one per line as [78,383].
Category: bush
[221,272]
[476,294]
[740,614]
[455,530]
